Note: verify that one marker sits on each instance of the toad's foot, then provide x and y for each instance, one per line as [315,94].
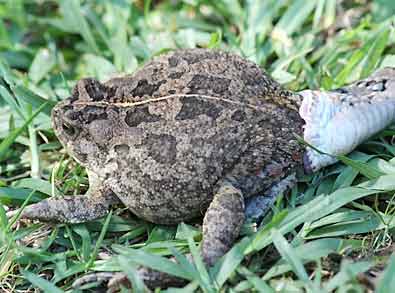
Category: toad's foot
[338,121]
[70,209]
[115,280]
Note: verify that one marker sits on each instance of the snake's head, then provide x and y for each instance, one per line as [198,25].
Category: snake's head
[337,121]
[380,83]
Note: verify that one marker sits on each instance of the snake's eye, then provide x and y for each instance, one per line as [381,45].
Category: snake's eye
[341,91]
[378,86]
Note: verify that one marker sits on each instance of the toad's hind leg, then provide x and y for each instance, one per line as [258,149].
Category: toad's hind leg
[73,209]
[222,222]
[221,226]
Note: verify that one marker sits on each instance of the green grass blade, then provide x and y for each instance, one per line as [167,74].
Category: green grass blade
[348,271]
[295,15]
[131,272]
[17,195]
[73,14]
[257,283]
[85,247]
[3,219]
[153,261]
[324,205]
[183,261]
[100,239]
[361,167]
[11,101]
[17,215]
[6,73]
[348,175]
[387,280]
[203,276]
[349,222]
[230,262]
[311,251]
[34,100]
[42,64]
[375,52]
[41,283]
[288,253]
[10,139]
[40,185]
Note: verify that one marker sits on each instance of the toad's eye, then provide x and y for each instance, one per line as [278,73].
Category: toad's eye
[68,129]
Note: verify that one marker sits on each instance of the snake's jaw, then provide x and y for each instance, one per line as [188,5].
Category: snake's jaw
[336,122]
[317,110]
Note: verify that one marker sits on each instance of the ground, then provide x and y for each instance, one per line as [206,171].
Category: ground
[333,232]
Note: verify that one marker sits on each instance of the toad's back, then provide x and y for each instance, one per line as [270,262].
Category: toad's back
[205,72]
[200,116]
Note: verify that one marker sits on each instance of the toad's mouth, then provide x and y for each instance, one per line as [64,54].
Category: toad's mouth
[336,123]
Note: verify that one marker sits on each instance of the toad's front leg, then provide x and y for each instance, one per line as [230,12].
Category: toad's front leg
[70,209]
[73,209]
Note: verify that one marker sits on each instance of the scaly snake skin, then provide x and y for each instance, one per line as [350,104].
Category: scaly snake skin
[338,121]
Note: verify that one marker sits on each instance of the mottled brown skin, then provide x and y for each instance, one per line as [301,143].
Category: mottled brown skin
[191,130]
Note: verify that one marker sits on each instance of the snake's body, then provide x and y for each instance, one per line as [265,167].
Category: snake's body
[338,121]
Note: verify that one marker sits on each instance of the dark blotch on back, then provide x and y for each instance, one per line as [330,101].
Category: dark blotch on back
[121,149]
[199,82]
[162,148]
[92,113]
[139,115]
[176,75]
[72,114]
[193,107]
[173,61]
[239,116]
[198,56]
[252,74]
[144,88]
[91,90]
[192,58]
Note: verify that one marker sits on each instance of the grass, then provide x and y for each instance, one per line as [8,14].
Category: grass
[333,232]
